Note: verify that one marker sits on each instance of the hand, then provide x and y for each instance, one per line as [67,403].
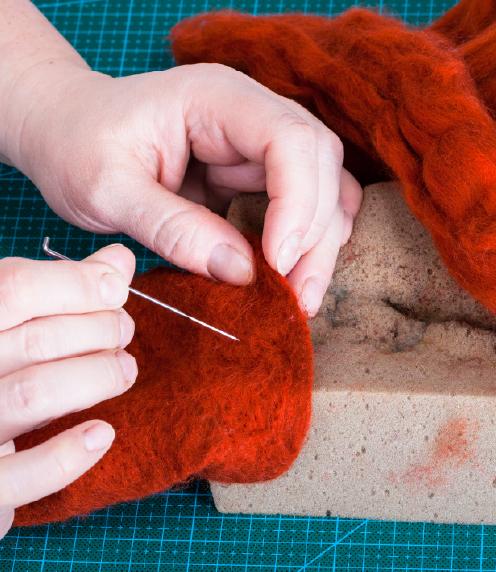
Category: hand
[62,331]
[153,155]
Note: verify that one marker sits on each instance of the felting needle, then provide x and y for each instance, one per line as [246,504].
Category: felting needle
[49,252]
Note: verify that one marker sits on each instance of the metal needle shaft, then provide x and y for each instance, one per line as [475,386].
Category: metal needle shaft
[47,250]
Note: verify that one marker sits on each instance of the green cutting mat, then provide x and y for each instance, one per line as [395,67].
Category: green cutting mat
[181,530]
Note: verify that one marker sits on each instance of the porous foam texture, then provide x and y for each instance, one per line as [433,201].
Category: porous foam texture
[403,423]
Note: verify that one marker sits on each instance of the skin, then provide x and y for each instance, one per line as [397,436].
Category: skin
[157,156]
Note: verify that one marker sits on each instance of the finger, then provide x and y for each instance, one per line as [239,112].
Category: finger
[330,161]
[195,188]
[312,275]
[250,177]
[224,183]
[351,193]
[245,177]
[302,161]
[350,198]
[266,131]
[214,186]
[38,394]
[56,337]
[187,234]
[347,228]
[292,174]
[32,288]
[30,475]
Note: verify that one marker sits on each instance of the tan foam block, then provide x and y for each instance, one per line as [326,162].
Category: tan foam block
[405,385]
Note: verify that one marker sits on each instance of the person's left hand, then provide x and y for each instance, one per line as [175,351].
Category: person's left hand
[116,155]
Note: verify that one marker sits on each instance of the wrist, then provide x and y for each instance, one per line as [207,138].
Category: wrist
[26,96]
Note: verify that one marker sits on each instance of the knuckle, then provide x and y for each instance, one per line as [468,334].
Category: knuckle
[98,182]
[111,325]
[317,230]
[36,344]
[87,275]
[279,208]
[86,281]
[292,121]
[65,465]
[298,132]
[106,329]
[215,67]
[28,398]
[214,75]
[225,73]
[178,236]
[13,280]
[113,374]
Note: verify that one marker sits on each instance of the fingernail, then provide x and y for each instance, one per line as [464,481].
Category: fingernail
[98,437]
[289,253]
[128,366]
[113,289]
[126,324]
[113,245]
[228,265]
[312,296]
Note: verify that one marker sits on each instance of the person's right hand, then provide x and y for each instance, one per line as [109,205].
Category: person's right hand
[62,334]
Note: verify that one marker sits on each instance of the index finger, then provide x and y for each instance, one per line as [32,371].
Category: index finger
[32,288]
[266,130]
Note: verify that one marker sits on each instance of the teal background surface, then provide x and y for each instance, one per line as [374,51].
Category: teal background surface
[181,530]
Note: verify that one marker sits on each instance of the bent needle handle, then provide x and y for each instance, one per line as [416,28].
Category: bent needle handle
[48,251]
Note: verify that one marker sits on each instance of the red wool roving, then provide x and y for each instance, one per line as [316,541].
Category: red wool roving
[203,405]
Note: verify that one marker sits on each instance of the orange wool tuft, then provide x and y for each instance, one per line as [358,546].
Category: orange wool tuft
[400,95]
[203,405]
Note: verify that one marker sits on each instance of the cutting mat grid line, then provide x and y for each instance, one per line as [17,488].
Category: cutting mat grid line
[181,530]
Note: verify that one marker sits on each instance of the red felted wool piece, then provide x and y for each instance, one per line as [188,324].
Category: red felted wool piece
[402,95]
[203,405]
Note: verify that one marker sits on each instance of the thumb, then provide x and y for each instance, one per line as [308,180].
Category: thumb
[117,256]
[188,235]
